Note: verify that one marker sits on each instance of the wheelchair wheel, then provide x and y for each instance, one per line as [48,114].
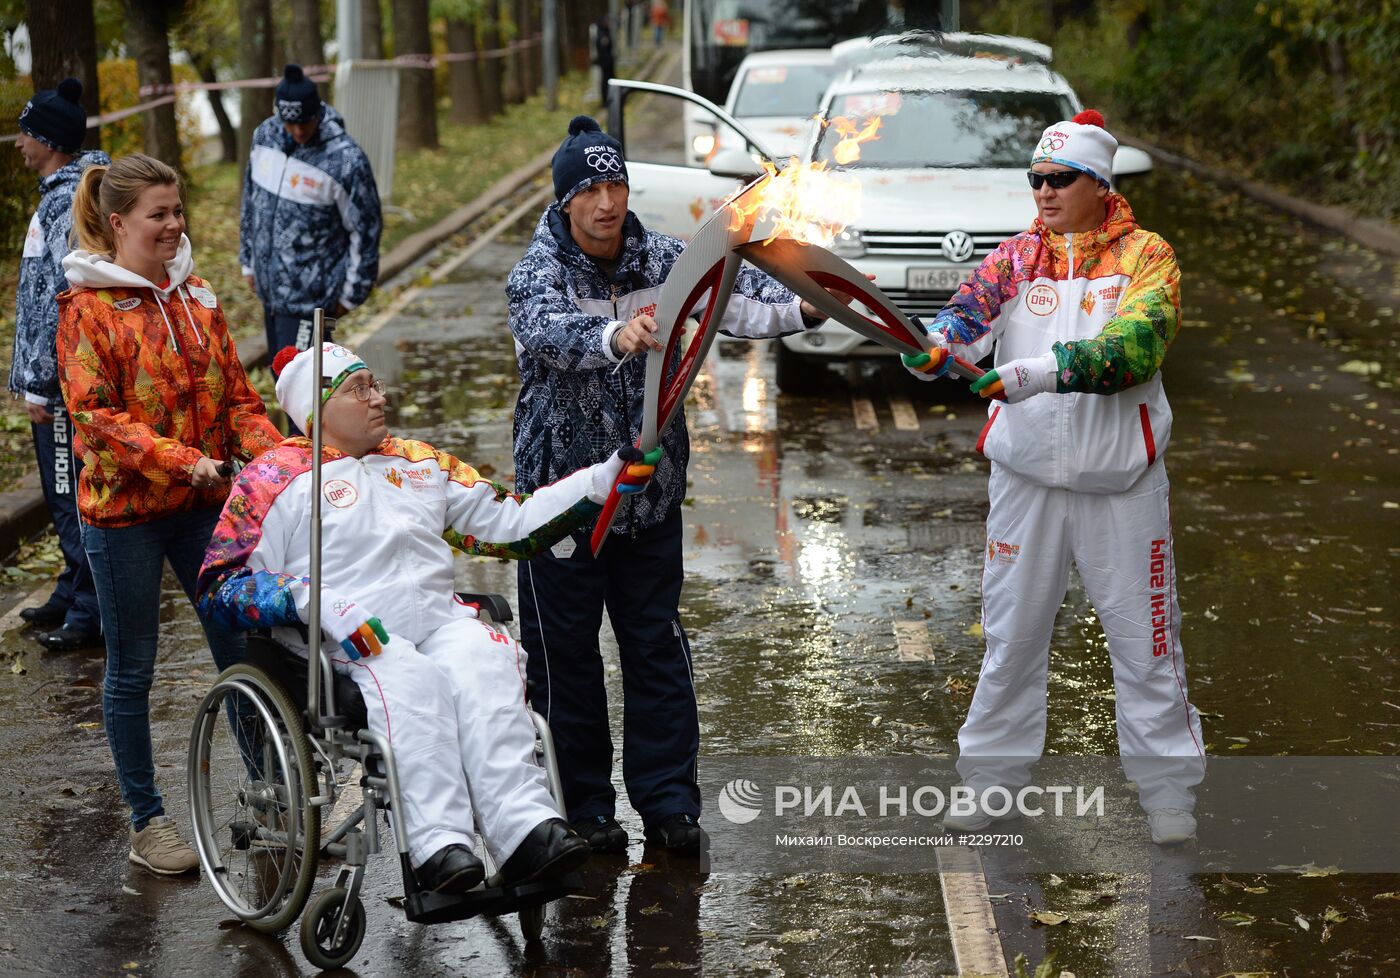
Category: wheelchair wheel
[532,923]
[318,927]
[249,770]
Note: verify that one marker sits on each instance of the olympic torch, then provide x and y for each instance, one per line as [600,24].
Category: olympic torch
[707,267]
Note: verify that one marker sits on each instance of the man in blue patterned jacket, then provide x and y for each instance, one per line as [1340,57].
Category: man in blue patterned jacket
[51,131]
[581,305]
[311,222]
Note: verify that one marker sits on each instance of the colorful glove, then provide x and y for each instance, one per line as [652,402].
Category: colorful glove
[927,366]
[638,470]
[358,632]
[932,365]
[1019,379]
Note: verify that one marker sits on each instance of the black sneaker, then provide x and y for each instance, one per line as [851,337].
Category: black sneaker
[679,833]
[44,615]
[67,639]
[452,869]
[551,849]
[602,833]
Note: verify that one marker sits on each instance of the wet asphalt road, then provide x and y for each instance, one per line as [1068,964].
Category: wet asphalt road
[809,530]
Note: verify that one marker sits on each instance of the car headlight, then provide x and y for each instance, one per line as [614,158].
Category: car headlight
[703,144]
[848,244]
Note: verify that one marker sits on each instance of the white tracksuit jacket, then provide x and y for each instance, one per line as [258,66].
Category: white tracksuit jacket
[446,691]
[1077,475]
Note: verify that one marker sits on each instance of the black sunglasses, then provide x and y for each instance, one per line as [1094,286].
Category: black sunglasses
[1059,180]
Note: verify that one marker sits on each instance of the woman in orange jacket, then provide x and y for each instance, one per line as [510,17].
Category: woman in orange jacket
[161,406]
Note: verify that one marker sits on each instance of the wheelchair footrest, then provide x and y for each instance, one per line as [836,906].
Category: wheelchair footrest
[440,908]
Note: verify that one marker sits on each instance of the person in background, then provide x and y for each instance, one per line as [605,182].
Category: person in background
[51,129]
[310,225]
[603,55]
[161,406]
[660,19]
[1080,309]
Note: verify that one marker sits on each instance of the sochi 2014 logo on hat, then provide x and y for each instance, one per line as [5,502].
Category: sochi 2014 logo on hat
[604,159]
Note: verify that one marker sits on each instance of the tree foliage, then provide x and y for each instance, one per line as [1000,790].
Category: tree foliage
[1297,92]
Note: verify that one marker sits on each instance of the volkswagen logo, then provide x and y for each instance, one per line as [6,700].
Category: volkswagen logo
[957,245]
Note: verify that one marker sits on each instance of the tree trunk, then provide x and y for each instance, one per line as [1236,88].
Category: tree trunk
[306,43]
[148,35]
[462,75]
[491,67]
[576,17]
[254,61]
[63,44]
[228,136]
[529,57]
[417,98]
[512,86]
[372,27]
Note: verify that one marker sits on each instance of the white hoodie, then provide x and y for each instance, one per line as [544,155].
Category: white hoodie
[86,269]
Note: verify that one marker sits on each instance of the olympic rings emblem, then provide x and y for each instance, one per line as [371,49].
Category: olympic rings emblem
[605,162]
[1051,144]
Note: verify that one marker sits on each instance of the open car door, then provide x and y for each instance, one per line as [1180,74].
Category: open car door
[667,193]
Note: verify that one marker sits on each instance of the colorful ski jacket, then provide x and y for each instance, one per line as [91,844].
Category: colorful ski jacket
[310,227]
[389,523]
[34,369]
[153,383]
[1106,303]
[576,403]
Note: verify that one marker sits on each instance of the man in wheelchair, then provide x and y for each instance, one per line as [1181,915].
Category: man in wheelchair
[445,690]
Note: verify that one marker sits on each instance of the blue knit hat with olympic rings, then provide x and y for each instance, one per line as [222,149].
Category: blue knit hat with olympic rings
[585,157]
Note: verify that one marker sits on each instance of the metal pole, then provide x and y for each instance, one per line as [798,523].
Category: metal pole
[349,32]
[313,611]
[549,28]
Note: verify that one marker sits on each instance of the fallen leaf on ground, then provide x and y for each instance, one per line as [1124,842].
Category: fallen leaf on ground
[1049,918]
[1238,919]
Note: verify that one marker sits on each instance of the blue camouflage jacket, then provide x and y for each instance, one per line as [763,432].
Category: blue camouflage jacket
[577,406]
[34,369]
[311,222]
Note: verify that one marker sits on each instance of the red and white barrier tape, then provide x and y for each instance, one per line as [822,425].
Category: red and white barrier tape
[317,73]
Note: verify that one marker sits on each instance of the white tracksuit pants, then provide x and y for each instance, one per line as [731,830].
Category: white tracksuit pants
[1122,545]
[453,711]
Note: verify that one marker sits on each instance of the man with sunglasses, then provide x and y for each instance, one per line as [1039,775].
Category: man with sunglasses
[444,689]
[1078,312]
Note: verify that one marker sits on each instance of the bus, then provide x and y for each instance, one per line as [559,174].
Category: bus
[718,34]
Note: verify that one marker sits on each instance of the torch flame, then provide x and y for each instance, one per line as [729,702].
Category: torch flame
[806,201]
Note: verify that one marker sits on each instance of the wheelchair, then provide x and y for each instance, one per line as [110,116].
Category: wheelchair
[264,777]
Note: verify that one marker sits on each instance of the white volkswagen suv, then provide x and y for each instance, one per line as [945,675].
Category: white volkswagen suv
[944,183]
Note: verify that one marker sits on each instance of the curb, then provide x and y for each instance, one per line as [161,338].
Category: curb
[23,511]
[1364,231]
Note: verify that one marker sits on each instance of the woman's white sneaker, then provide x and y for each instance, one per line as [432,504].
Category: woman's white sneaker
[1171,826]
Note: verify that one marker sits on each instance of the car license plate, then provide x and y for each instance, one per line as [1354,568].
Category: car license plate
[936,279]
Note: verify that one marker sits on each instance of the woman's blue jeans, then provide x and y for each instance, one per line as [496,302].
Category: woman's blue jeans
[127,565]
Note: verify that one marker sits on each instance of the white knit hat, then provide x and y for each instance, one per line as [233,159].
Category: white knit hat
[294,383]
[1081,143]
